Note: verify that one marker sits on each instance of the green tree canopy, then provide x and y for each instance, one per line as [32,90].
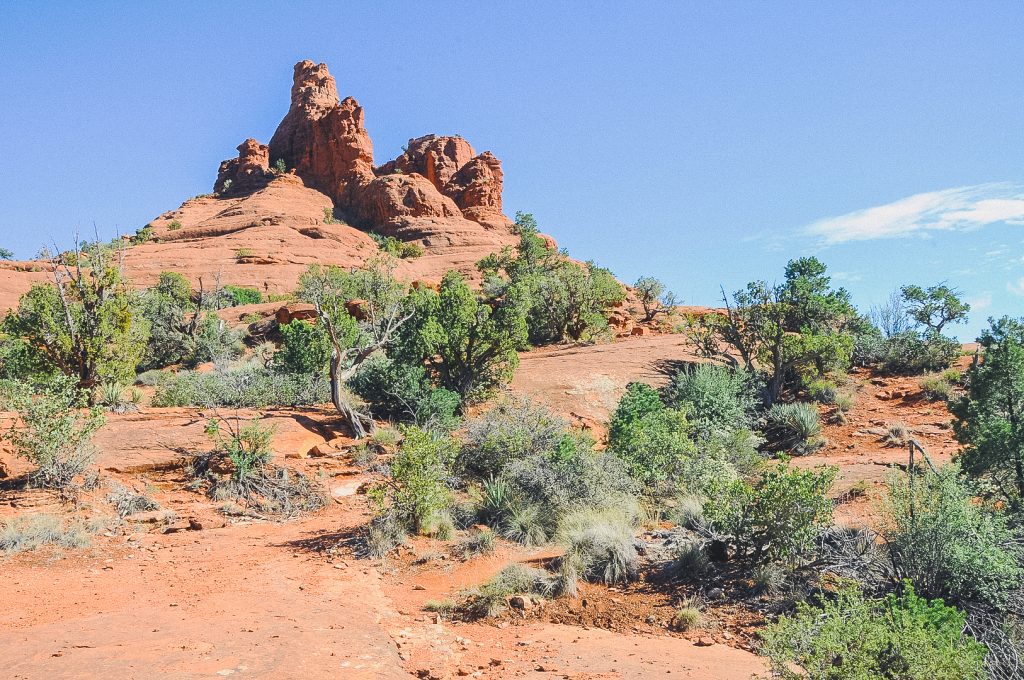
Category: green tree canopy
[473,341]
[88,323]
[791,330]
[935,306]
[990,417]
[562,299]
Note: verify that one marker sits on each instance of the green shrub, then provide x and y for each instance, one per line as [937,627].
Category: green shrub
[655,442]
[822,391]
[639,401]
[244,253]
[571,478]
[777,518]
[6,254]
[240,295]
[655,447]
[174,225]
[936,387]
[851,637]
[19,362]
[513,429]
[907,353]
[717,398]
[404,393]
[563,299]
[247,445]
[244,387]
[417,493]
[948,545]
[305,349]
[53,430]
[400,249]
[794,427]
[30,532]
[988,417]
[88,324]
[143,235]
[280,167]
[185,328]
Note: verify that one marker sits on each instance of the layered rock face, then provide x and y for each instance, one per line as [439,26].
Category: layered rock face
[324,139]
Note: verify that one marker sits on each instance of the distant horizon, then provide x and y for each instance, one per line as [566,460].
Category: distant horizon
[703,145]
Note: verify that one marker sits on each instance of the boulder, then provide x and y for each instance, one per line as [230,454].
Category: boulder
[248,172]
[476,189]
[435,157]
[295,312]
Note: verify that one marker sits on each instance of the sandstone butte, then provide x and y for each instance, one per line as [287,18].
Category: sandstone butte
[262,225]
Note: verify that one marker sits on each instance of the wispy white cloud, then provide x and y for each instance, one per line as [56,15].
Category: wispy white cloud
[1016,287]
[980,302]
[960,208]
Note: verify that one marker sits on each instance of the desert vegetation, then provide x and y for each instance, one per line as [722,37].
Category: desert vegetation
[710,460]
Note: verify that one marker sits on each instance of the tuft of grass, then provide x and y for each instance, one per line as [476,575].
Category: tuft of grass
[688,510]
[690,561]
[175,225]
[599,546]
[688,616]
[384,533]
[491,598]
[524,524]
[823,391]
[769,579]
[896,434]
[796,426]
[446,608]
[843,404]
[244,253]
[478,543]
[34,531]
[936,387]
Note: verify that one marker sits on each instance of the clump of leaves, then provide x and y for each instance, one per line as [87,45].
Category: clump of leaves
[54,430]
[851,637]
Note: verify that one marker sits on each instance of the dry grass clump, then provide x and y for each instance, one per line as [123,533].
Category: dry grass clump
[34,531]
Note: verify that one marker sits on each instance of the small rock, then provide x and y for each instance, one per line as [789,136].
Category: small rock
[520,602]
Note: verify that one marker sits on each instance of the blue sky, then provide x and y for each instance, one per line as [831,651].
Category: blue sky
[703,143]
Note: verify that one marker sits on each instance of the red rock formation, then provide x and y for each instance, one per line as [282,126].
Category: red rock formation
[323,139]
[436,158]
[247,173]
[476,189]
[326,142]
[390,200]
